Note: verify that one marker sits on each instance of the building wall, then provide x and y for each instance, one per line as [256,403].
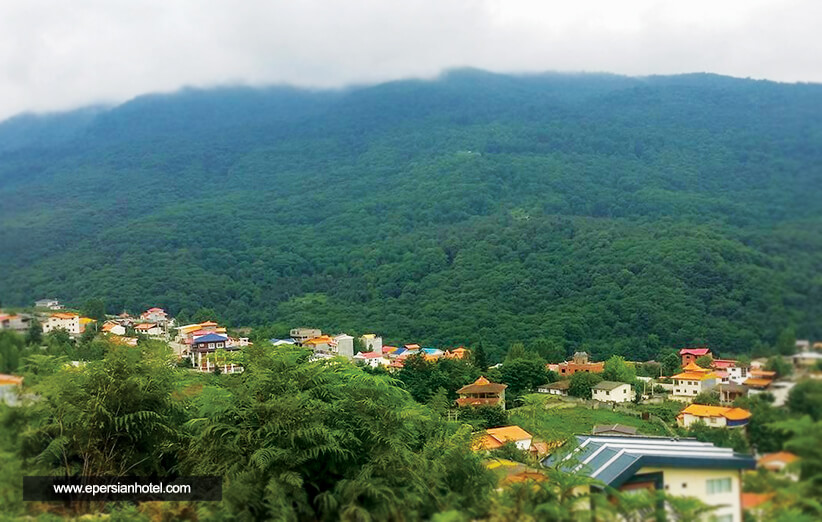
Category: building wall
[621,394]
[694,483]
[714,422]
[72,326]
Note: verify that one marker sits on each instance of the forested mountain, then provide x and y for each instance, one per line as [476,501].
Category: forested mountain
[621,214]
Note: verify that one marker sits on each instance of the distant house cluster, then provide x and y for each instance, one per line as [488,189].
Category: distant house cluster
[373,353]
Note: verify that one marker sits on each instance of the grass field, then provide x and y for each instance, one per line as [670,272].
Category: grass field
[553,420]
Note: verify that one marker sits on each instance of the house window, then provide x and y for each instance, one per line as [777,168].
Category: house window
[722,485]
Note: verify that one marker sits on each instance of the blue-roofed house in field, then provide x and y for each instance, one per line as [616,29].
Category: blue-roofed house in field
[210,350]
[683,467]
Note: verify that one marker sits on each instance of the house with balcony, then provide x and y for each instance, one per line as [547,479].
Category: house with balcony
[482,392]
[212,350]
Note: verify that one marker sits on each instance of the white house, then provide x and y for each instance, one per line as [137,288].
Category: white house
[692,381]
[149,329]
[65,321]
[372,359]
[713,416]
[113,328]
[154,315]
[680,467]
[611,391]
[372,343]
[345,345]
[51,304]
[555,388]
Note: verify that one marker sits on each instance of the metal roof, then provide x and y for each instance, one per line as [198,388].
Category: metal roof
[615,459]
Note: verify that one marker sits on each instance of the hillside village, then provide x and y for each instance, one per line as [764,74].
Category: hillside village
[626,443]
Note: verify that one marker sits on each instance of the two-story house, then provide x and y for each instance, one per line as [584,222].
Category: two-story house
[692,381]
[482,392]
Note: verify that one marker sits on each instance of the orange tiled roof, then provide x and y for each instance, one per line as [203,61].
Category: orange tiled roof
[64,315]
[144,326]
[509,433]
[700,410]
[754,500]
[323,339]
[482,385]
[10,379]
[780,456]
[758,383]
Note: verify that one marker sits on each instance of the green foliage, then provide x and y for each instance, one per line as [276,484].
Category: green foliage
[806,399]
[671,364]
[590,211]
[517,351]
[423,378]
[12,350]
[708,398]
[779,365]
[328,441]
[550,350]
[484,417]
[523,376]
[616,369]
[581,384]
[95,309]
[479,357]
[705,361]
[728,438]
[762,434]
[786,342]
[34,335]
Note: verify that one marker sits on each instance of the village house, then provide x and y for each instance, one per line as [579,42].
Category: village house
[15,322]
[321,344]
[150,329]
[155,315]
[210,350]
[495,438]
[344,345]
[67,321]
[778,462]
[114,328]
[51,304]
[804,360]
[690,355]
[482,392]
[372,359]
[579,363]
[713,416]
[692,381]
[611,391]
[680,467]
[300,335]
[10,386]
[458,353]
[555,388]
[730,392]
[371,343]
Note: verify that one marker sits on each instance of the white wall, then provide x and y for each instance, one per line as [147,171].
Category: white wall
[694,483]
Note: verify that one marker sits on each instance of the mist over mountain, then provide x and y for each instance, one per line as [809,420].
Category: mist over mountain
[613,213]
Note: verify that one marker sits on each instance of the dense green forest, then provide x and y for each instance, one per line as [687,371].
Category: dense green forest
[612,213]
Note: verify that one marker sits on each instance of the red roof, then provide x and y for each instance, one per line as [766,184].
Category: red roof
[695,351]
[753,500]
[156,310]
[370,355]
[724,363]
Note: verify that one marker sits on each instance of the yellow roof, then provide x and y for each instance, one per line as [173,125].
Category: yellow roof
[701,410]
[694,376]
[86,320]
[508,433]
[369,336]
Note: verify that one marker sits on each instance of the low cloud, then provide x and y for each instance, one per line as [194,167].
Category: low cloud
[59,55]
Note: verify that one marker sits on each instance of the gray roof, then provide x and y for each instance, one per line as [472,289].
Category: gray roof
[559,385]
[620,428]
[733,387]
[613,459]
[607,385]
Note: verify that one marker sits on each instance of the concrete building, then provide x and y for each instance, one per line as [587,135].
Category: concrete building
[692,381]
[300,335]
[371,343]
[579,363]
[51,304]
[344,345]
[610,391]
[65,321]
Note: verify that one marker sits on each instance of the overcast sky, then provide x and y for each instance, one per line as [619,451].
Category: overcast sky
[61,54]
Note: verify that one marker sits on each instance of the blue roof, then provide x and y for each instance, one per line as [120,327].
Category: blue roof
[615,459]
[210,338]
